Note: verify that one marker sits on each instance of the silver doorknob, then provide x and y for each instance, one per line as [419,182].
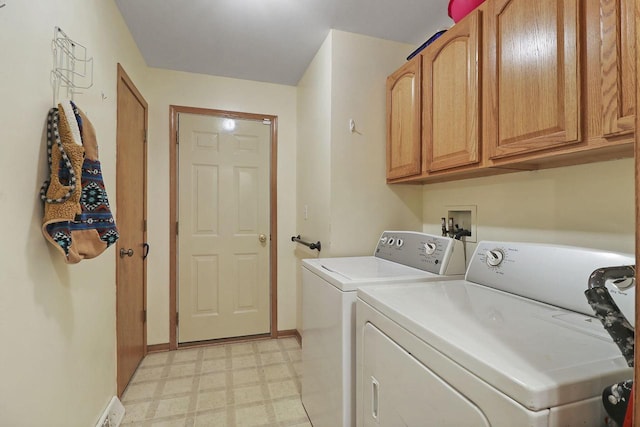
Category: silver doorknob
[124,253]
[262,238]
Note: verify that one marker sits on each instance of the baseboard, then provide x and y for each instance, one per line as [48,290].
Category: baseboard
[157,348]
[291,333]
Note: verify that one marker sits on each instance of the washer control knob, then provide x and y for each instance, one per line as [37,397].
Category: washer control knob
[399,243]
[383,240]
[391,241]
[495,257]
[430,248]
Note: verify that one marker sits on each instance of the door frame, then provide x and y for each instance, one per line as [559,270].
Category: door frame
[174,110]
[124,77]
[636,371]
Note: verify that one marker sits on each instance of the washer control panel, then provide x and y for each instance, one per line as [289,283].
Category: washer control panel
[435,254]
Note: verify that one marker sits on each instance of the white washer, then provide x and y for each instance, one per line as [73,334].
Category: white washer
[328,312]
[514,344]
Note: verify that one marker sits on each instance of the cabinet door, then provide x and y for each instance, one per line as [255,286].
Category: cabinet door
[618,66]
[404,148]
[451,97]
[534,76]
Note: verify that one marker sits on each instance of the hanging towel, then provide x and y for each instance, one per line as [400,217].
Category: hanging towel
[77,217]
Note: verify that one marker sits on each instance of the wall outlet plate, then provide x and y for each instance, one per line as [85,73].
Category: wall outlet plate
[465,217]
[112,415]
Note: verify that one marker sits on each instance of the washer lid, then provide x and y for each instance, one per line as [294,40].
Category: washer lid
[539,355]
[348,273]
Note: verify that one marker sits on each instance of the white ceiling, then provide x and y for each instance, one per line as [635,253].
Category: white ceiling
[267,40]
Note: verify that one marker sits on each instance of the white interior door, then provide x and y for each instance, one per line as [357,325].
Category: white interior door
[223,234]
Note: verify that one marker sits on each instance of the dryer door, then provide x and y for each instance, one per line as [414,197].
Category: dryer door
[400,391]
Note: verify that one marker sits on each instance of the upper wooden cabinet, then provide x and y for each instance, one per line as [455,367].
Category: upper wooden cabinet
[404,146]
[534,75]
[451,97]
[618,66]
[517,85]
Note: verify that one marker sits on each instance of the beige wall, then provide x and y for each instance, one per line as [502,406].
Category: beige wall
[362,204]
[588,205]
[167,88]
[313,156]
[57,321]
[341,175]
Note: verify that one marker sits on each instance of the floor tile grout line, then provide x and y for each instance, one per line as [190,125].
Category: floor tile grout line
[264,385]
[292,371]
[153,406]
[195,385]
[230,408]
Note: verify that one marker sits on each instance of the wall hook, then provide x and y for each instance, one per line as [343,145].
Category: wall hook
[352,127]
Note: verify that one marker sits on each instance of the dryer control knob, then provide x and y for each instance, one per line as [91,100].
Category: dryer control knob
[430,248]
[495,257]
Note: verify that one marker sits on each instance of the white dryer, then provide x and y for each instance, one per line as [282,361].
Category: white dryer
[514,344]
[328,312]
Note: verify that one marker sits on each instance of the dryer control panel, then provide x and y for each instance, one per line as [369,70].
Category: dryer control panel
[553,274]
[435,254]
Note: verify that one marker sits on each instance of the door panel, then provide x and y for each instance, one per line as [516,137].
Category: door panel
[224,204]
[130,217]
[205,270]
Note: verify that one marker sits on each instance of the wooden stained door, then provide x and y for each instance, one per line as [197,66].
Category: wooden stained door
[451,96]
[223,226]
[131,220]
[533,68]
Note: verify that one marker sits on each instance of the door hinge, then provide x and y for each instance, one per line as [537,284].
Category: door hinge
[145,136]
[144,225]
[144,316]
[177,318]
[176,228]
[266,121]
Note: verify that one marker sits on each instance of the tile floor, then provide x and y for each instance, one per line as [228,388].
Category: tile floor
[241,384]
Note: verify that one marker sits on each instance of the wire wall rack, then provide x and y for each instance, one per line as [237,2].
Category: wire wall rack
[72,67]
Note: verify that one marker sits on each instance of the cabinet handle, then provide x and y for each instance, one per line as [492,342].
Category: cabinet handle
[375,390]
